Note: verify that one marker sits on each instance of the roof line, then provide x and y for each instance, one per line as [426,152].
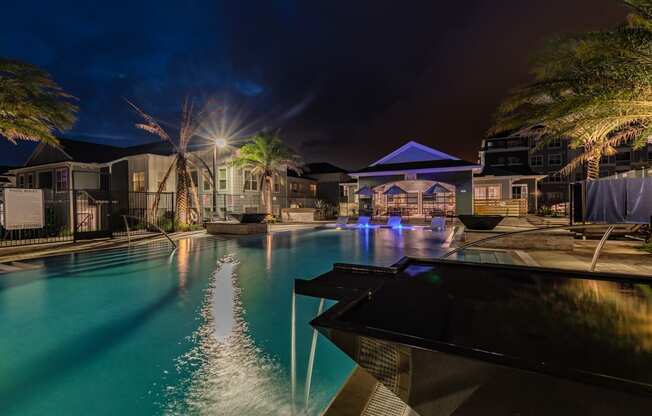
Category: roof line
[419,146]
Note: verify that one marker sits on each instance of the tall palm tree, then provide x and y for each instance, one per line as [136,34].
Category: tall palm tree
[267,157]
[32,105]
[594,88]
[183,160]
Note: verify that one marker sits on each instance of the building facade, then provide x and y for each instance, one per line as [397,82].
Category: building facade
[77,166]
[401,183]
[523,155]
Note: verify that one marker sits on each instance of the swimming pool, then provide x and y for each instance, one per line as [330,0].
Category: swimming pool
[206,330]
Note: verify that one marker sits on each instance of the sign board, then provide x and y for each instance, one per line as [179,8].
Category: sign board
[23,209]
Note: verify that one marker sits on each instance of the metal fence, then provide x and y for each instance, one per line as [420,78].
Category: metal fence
[250,202]
[57,222]
[83,214]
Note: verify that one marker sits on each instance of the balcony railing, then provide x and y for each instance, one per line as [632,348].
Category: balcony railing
[504,207]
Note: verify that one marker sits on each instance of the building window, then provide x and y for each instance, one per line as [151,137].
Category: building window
[294,187]
[45,180]
[554,144]
[221,179]
[487,192]
[61,177]
[194,178]
[500,161]
[277,184]
[554,159]
[138,181]
[313,189]
[250,183]
[623,158]
[513,160]
[554,177]
[21,181]
[206,181]
[30,180]
[536,161]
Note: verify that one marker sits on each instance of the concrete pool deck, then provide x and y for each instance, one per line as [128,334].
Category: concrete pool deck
[11,257]
[617,256]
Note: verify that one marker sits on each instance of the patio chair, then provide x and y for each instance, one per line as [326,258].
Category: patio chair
[363,221]
[394,221]
[438,223]
[342,221]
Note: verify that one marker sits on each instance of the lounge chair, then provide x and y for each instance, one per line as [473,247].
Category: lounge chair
[363,221]
[394,221]
[438,224]
[342,220]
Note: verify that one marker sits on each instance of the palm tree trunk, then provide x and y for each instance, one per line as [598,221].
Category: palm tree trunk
[593,170]
[193,193]
[265,194]
[268,185]
[182,193]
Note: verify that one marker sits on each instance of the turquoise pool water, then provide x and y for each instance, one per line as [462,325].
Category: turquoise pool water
[206,330]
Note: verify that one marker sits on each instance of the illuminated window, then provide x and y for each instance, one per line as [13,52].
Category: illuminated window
[313,188]
[138,181]
[61,177]
[487,192]
[221,179]
[250,183]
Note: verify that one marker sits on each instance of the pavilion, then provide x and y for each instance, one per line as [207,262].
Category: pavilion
[413,181]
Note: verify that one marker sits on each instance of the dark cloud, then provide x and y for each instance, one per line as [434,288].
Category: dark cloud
[345,81]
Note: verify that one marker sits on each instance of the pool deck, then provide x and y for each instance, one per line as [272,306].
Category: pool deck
[11,257]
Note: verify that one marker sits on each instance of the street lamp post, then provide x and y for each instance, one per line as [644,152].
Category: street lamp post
[214,181]
[219,142]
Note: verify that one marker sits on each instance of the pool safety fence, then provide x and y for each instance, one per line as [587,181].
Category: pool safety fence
[91,213]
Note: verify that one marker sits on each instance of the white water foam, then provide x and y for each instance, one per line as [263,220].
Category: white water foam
[233,376]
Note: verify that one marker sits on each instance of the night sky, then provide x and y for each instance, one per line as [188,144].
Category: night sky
[346,82]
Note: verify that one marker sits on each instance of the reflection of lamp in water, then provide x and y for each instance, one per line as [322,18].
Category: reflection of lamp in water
[268,251]
[183,256]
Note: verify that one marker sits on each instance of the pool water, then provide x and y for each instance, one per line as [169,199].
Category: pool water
[205,330]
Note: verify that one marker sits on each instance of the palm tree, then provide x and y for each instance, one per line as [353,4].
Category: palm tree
[32,105]
[267,157]
[186,189]
[594,88]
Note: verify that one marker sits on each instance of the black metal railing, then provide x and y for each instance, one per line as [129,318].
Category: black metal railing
[57,222]
[91,213]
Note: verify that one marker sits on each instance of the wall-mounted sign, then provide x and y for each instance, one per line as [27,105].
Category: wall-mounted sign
[23,209]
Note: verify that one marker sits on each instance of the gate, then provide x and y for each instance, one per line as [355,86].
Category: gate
[92,211]
[99,214]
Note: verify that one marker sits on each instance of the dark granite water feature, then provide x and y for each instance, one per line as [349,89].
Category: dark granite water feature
[466,339]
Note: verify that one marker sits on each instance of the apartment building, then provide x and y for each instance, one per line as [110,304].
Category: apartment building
[517,155]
